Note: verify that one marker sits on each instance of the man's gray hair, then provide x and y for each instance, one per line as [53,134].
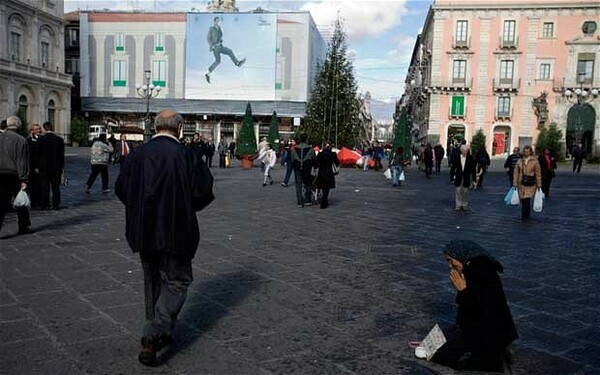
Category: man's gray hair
[13,122]
[464,148]
[168,120]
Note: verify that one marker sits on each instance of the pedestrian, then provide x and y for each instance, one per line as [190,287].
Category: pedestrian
[438,153]
[366,154]
[303,162]
[34,185]
[99,156]
[163,185]
[210,152]
[262,146]
[113,142]
[483,163]
[288,159]
[428,160]
[463,170]
[527,178]
[484,325]
[456,156]
[578,156]
[378,153]
[268,158]
[397,165]
[222,150]
[325,176]
[511,163]
[232,150]
[547,169]
[122,150]
[51,151]
[14,172]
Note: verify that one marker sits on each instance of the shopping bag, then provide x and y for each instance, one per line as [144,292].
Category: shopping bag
[514,200]
[538,201]
[509,195]
[388,174]
[22,200]
[402,177]
[227,161]
[64,180]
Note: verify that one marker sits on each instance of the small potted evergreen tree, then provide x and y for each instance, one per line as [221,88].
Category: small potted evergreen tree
[246,140]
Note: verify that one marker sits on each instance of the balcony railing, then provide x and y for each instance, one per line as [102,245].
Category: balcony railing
[561,84]
[453,84]
[461,43]
[456,115]
[509,43]
[503,115]
[506,84]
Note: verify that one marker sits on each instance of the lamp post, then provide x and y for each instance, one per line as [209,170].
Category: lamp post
[580,97]
[147,91]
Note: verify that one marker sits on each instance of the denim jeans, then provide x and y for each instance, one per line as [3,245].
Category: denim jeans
[166,281]
[366,162]
[288,172]
[396,170]
[302,187]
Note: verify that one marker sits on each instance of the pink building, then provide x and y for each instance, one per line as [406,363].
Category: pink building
[481,64]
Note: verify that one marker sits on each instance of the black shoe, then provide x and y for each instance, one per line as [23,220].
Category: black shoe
[26,231]
[240,63]
[207,77]
[151,346]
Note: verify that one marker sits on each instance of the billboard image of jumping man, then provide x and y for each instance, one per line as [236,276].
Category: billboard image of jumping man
[215,43]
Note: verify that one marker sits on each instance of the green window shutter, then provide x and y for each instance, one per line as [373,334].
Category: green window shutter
[120,48]
[160,83]
[119,83]
[159,48]
[458,106]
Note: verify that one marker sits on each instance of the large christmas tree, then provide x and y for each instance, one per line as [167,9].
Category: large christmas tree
[333,108]
[273,137]
[246,140]
[402,134]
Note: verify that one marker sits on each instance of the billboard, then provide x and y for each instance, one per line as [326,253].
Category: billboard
[247,56]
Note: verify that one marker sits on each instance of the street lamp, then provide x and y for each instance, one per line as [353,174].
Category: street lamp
[580,97]
[147,91]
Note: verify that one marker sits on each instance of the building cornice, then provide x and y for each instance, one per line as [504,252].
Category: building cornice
[484,5]
[23,7]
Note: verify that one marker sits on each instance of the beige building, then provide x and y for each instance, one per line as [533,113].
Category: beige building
[32,82]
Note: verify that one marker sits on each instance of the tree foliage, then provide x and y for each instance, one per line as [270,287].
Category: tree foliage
[246,140]
[79,132]
[477,142]
[273,137]
[402,134]
[333,108]
[551,137]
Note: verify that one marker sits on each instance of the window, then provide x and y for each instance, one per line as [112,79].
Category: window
[73,37]
[458,106]
[504,106]
[506,71]
[459,71]
[72,66]
[548,30]
[23,108]
[45,53]
[589,27]
[585,69]
[119,73]
[545,71]
[159,42]
[508,33]
[51,111]
[461,32]
[159,73]
[119,42]
[15,46]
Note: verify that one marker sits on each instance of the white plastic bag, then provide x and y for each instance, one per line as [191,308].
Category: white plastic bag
[514,200]
[402,177]
[538,201]
[388,174]
[22,200]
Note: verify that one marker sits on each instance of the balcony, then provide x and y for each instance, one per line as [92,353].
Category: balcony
[461,44]
[506,84]
[561,84]
[508,44]
[453,84]
[503,115]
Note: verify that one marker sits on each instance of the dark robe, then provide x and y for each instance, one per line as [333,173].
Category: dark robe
[325,177]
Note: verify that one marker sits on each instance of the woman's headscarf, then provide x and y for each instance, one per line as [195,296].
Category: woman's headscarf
[465,250]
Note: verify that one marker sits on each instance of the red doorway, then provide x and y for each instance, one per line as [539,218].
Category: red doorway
[498,143]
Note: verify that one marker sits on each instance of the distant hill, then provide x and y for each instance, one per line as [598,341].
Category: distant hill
[382,111]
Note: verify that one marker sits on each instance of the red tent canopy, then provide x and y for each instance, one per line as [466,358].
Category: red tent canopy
[348,157]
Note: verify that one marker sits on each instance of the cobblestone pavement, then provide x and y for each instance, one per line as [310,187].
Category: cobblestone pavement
[285,290]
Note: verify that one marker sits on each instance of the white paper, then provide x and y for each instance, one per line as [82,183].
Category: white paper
[433,341]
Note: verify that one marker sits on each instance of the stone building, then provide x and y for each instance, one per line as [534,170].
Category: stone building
[504,67]
[32,79]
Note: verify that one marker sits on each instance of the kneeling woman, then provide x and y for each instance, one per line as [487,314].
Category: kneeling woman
[484,325]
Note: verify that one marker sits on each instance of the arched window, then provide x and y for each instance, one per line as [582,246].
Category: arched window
[16,30]
[46,43]
[23,108]
[51,112]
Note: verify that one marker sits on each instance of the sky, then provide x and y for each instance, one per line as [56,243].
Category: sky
[381,34]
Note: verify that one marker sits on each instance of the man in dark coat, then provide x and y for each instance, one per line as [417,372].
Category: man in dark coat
[122,151]
[51,151]
[162,185]
[484,325]
[511,163]
[438,150]
[428,160]
[303,163]
[326,178]
[463,170]
[34,187]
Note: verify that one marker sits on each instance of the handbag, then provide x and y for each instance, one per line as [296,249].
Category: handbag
[335,168]
[528,180]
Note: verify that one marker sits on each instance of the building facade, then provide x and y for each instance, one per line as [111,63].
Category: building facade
[117,48]
[504,67]
[33,84]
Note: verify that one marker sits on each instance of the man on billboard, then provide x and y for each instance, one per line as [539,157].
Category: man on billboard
[215,42]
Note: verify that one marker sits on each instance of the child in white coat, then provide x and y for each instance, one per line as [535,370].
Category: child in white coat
[269,158]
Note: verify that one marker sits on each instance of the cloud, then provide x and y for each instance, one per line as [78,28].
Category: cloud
[363,19]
